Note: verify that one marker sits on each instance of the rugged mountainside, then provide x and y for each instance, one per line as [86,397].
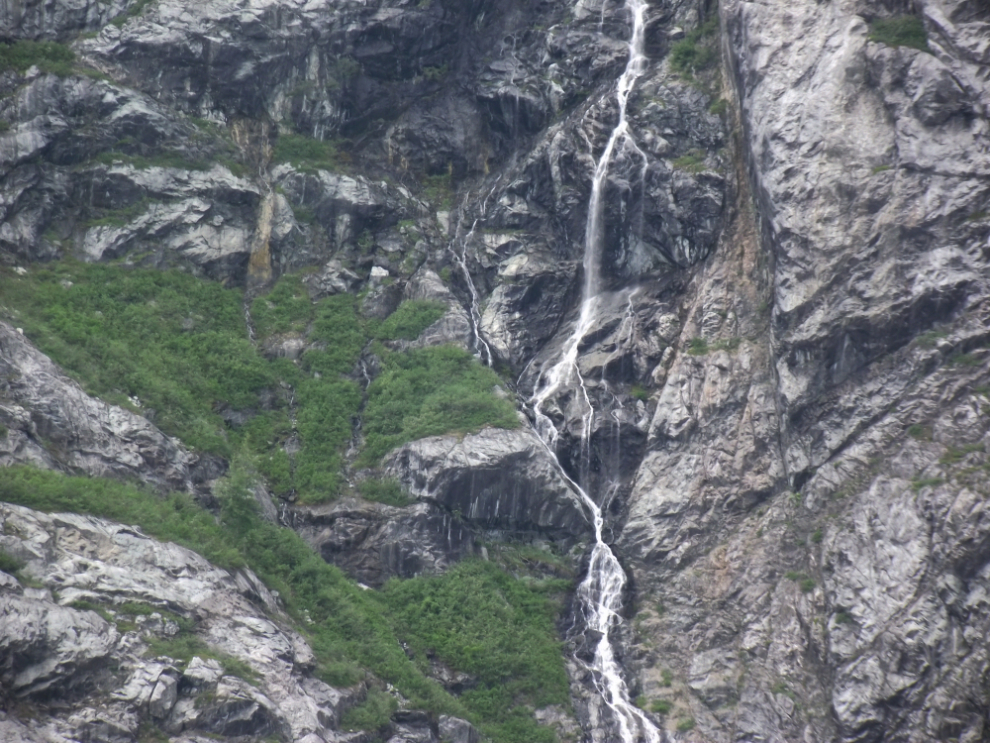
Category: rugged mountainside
[774,382]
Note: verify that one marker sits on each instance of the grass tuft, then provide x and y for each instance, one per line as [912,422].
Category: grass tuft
[907,30]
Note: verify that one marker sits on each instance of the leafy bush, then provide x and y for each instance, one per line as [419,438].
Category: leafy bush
[9,563]
[132,12]
[410,319]
[306,153]
[337,326]
[384,491]
[685,724]
[287,307]
[906,30]
[697,51]
[697,347]
[692,162]
[372,714]
[479,620]
[661,706]
[49,56]
[326,407]
[427,392]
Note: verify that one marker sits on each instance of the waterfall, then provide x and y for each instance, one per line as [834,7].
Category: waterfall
[474,311]
[600,593]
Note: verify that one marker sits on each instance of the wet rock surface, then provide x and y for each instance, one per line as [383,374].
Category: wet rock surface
[787,363]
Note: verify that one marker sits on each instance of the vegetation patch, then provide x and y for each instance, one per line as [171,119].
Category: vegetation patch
[428,392]
[480,620]
[387,491]
[700,346]
[410,319]
[639,392]
[661,706]
[132,12]
[372,714]
[692,162]
[685,724]
[286,308]
[697,51]
[806,584]
[176,342]
[307,154]
[906,30]
[9,563]
[926,482]
[48,56]
[439,190]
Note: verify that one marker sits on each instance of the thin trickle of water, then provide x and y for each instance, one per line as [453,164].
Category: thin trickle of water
[474,311]
[600,593]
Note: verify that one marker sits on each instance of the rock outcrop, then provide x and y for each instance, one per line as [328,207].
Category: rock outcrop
[94,601]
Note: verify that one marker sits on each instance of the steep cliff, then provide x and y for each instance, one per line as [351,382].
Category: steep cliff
[670,315]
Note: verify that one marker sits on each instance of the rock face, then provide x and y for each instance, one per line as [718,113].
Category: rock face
[787,363]
[495,480]
[103,672]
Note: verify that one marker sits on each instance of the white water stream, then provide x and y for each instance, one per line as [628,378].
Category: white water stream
[600,593]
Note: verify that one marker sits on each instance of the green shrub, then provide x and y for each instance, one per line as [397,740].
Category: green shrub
[9,563]
[685,724]
[661,706]
[179,344]
[919,432]
[907,30]
[94,607]
[692,162]
[372,714]
[698,51]
[287,307]
[428,392]
[697,347]
[926,482]
[668,677]
[306,153]
[49,56]
[817,536]
[384,491]
[807,585]
[719,107]
[439,190]
[477,619]
[336,325]
[135,10]
[639,392]
[410,319]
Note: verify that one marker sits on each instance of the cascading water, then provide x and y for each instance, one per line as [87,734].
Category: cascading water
[600,593]
[474,310]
